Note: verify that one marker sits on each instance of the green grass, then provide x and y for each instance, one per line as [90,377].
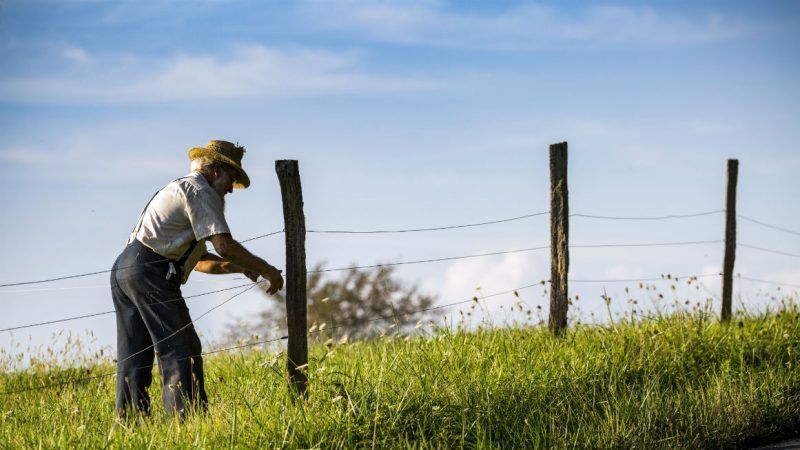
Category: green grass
[673,382]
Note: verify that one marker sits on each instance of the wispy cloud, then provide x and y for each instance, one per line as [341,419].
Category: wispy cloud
[102,152]
[525,26]
[246,72]
[76,55]
[86,163]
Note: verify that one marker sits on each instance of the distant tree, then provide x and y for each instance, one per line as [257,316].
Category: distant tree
[346,305]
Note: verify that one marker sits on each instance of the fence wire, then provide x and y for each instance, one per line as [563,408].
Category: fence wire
[477,224]
[80,275]
[449,258]
[674,278]
[414,230]
[400,263]
[764,224]
[672,216]
[769,250]
[68,319]
[776,283]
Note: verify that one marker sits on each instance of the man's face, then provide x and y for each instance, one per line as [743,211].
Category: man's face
[223,180]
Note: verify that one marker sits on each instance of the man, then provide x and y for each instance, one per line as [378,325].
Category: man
[168,241]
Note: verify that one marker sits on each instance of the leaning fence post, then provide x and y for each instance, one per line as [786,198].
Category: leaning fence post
[295,231]
[730,240]
[559,238]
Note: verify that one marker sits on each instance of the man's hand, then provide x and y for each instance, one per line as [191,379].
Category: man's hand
[249,264]
[275,280]
[250,274]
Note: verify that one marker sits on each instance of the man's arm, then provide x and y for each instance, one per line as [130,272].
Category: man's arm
[215,265]
[233,252]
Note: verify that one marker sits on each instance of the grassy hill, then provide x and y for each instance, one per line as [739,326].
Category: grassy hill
[684,381]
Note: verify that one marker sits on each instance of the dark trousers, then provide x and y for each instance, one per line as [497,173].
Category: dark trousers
[150,312]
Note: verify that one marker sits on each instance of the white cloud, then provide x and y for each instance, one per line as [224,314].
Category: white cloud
[247,72]
[529,26]
[496,274]
[76,55]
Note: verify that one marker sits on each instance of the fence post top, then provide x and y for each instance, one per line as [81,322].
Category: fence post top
[286,166]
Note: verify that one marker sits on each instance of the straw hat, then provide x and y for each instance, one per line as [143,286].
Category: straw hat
[228,153]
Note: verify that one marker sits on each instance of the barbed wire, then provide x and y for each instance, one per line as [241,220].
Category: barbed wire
[774,227]
[354,268]
[85,316]
[261,236]
[675,278]
[81,275]
[506,252]
[214,279]
[422,261]
[526,216]
[649,244]
[414,230]
[776,283]
[449,258]
[592,216]
[68,319]
[768,250]
[672,216]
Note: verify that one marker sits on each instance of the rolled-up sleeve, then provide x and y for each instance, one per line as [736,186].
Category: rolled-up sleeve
[205,211]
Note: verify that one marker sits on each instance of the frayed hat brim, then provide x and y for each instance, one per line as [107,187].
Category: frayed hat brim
[242,181]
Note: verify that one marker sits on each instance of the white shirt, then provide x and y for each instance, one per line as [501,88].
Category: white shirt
[187,209]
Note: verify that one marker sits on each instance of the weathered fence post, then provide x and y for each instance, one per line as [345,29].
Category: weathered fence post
[295,227]
[730,240]
[559,238]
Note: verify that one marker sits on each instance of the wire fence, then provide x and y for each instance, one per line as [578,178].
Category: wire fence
[98,272]
[248,286]
[469,225]
[447,258]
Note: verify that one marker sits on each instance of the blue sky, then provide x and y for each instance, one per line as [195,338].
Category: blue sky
[402,114]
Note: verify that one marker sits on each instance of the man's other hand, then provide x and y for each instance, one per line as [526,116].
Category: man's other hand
[253,276]
[275,280]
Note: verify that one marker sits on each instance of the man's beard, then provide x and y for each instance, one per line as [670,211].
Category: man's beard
[219,192]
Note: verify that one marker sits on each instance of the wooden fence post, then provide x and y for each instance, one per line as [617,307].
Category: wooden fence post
[730,240]
[295,231]
[559,238]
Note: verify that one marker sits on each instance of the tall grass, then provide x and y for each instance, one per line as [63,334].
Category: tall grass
[679,381]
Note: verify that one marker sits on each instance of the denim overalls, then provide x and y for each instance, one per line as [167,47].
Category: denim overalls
[153,321]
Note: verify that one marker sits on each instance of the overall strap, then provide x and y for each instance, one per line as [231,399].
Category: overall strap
[188,253]
[141,215]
